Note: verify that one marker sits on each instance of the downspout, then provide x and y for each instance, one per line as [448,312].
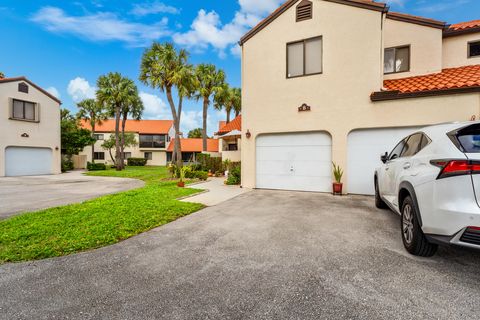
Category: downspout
[382,51]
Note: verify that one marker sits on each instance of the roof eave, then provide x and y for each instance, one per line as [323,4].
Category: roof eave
[416,20]
[395,94]
[453,33]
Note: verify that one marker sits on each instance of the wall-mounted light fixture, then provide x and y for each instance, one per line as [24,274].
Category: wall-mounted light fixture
[248,134]
[25,135]
[56,148]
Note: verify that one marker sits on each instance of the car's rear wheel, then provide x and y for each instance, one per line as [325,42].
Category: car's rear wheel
[379,203]
[413,237]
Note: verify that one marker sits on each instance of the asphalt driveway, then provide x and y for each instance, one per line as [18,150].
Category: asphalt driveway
[21,194]
[262,255]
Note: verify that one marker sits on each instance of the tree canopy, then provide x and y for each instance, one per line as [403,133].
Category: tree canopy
[73,138]
[195,133]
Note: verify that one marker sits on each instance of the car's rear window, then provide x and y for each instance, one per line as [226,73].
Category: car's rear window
[469,138]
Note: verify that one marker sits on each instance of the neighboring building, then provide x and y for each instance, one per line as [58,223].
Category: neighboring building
[192,147]
[230,139]
[152,136]
[344,81]
[29,129]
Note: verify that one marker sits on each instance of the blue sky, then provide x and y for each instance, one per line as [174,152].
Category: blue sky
[65,45]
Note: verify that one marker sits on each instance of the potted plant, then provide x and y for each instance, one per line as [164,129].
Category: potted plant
[181,182]
[338,174]
[226,166]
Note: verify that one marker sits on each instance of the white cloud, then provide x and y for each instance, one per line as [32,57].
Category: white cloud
[54,92]
[207,30]
[190,120]
[101,26]
[155,107]
[79,89]
[143,9]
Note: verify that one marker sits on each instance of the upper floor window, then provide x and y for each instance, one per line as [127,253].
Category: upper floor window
[23,110]
[99,136]
[474,49]
[397,60]
[304,57]
[152,141]
[304,10]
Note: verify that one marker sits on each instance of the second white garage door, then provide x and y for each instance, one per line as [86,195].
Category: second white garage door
[298,161]
[364,150]
[25,161]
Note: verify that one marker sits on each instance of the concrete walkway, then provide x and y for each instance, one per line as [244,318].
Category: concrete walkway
[217,192]
[23,194]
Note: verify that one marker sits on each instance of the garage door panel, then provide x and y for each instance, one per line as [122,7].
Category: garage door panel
[364,150]
[294,162]
[27,161]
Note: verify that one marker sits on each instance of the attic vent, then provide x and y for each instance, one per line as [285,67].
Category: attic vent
[304,10]
[22,87]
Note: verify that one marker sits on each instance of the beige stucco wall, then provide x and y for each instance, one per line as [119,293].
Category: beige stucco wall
[234,156]
[455,51]
[44,134]
[159,156]
[425,46]
[340,97]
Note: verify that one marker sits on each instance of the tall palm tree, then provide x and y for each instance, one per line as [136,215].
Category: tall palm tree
[229,99]
[210,81]
[133,107]
[165,68]
[115,92]
[94,113]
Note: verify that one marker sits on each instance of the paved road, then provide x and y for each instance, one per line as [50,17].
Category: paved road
[21,194]
[261,255]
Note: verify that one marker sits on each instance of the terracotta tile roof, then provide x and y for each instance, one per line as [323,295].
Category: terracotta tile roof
[18,79]
[452,80]
[462,28]
[235,124]
[139,126]
[367,4]
[465,25]
[195,145]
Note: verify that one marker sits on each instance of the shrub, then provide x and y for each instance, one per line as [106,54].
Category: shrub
[234,176]
[136,162]
[96,166]
[208,163]
[202,175]
[67,164]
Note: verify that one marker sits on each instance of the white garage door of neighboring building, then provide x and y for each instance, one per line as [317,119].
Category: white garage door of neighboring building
[295,161]
[24,161]
[365,147]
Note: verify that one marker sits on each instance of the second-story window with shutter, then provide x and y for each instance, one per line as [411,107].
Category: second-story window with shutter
[304,10]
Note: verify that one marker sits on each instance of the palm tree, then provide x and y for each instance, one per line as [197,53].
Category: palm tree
[92,112]
[229,99]
[165,68]
[2,75]
[115,92]
[210,81]
[134,107]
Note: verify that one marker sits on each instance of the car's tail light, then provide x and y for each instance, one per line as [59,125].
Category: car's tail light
[451,168]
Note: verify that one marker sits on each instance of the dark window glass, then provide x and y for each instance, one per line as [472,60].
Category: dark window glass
[398,150]
[23,110]
[412,146]
[396,60]
[232,147]
[187,156]
[425,142]
[474,49]
[99,136]
[153,141]
[127,155]
[148,155]
[99,156]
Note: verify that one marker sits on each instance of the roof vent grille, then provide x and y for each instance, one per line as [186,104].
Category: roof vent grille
[304,10]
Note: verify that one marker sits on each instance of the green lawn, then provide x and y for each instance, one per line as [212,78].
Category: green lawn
[95,223]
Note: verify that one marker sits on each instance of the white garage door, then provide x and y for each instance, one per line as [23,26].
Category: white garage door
[364,150]
[299,161]
[22,161]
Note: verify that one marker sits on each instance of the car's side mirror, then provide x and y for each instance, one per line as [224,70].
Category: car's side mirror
[384,158]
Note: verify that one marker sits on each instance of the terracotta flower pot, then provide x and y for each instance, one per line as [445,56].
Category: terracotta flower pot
[337,188]
[181,184]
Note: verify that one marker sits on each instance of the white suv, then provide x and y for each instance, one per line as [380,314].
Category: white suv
[432,179]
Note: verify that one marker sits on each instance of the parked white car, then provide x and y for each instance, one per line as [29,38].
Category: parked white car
[432,179]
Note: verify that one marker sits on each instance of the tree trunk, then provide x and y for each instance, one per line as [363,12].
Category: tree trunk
[237,113]
[228,116]
[177,148]
[93,144]
[111,156]
[204,129]
[118,157]
[122,142]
